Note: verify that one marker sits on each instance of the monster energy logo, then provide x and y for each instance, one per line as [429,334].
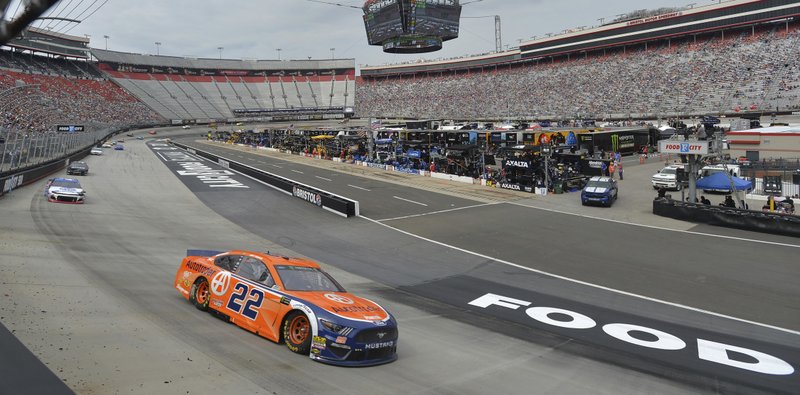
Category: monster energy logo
[615,142]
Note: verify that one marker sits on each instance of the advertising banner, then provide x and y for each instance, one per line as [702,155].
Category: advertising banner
[683,147]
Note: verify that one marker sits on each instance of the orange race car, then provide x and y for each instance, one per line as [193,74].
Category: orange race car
[289,300]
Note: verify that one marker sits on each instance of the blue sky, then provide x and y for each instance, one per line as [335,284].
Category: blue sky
[256,29]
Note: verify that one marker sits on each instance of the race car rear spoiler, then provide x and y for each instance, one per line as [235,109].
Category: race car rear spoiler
[203,252]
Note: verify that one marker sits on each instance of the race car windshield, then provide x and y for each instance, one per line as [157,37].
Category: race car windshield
[66,184]
[300,278]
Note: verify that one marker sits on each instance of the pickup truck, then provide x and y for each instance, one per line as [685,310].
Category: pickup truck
[667,178]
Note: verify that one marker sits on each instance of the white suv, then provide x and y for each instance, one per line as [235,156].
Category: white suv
[667,178]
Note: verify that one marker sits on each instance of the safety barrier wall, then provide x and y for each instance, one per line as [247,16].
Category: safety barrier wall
[320,198]
[758,221]
[16,178]
[30,175]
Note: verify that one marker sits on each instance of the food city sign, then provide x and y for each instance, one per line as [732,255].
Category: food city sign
[683,147]
[707,350]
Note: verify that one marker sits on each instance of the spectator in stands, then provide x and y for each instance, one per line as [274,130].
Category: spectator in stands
[764,74]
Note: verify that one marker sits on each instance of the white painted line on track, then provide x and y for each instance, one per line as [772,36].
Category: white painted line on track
[277,166]
[659,228]
[165,159]
[438,212]
[358,187]
[262,162]
[298,171]
[410,201]
[575,281]
[323,178]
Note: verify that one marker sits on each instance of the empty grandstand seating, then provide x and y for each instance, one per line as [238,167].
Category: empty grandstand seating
[216,97]
[211,89]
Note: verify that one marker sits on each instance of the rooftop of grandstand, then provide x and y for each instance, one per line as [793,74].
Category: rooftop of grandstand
[638,14]
[28,62]
[45,41]
[219,64]
[468,60]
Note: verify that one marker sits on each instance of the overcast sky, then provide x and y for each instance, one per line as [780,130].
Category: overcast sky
[255,29]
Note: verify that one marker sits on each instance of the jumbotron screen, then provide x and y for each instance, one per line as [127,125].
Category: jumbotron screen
[383,24]
[438,20]
[411,26]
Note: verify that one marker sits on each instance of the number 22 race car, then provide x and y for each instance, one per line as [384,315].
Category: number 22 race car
[289,300]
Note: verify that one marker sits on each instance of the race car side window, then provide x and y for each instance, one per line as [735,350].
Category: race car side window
[227,262]
[253,269]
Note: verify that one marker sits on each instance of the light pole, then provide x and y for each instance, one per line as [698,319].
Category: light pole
[106,37]
[279,53]
[220,52]
[158,46]
[546,152]
[333,51]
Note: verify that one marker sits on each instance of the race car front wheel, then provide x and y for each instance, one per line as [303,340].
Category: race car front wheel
[199,294]
[297,333]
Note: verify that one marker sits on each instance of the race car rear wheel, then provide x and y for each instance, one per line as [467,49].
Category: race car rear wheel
[297,333]
[199,294]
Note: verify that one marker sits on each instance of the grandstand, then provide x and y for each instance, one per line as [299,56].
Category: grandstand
[205,90]
[46,80]
[739,55]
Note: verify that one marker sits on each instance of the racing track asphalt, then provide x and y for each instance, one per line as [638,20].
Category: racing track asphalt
[90,295]
[110,264]
[732,276]
[422,266]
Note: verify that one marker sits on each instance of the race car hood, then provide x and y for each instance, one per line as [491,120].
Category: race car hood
[346,305]
[66,191]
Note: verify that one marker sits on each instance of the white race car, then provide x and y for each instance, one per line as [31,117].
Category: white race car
[64,190]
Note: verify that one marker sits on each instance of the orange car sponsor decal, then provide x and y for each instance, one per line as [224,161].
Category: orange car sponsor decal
[220,283]
[202,269]
[339,298]
[355,309]
[347,306]
[186,281]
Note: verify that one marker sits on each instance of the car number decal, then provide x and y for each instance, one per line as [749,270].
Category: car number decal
[254,300]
